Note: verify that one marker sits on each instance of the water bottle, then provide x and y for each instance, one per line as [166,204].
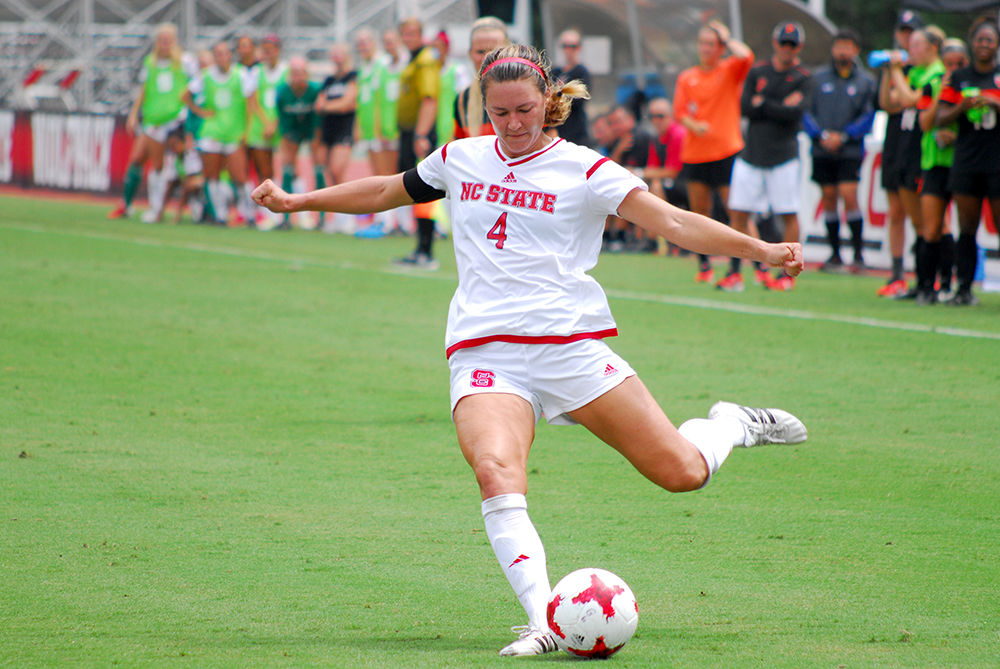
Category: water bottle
[974,114]
[877,59]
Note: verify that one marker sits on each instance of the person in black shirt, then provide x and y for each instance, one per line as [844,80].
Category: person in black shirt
[896,168]
[630,150]
[971,96]
[337,104]
[840,115]
[575,127]
[766,174]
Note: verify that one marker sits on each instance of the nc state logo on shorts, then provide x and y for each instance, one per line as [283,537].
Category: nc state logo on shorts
[482,378]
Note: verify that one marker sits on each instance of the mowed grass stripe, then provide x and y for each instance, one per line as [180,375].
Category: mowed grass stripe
[662,298]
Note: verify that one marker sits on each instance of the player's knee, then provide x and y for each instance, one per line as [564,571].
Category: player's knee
[493,474]
[683,482]
[685,478]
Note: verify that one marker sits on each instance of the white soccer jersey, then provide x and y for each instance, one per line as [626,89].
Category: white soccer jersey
[526,232]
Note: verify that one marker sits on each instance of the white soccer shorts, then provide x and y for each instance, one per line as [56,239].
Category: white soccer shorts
[554,378]
[208,145]
[762,190]
[158,133]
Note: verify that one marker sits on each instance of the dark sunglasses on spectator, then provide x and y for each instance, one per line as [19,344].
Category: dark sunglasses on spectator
[657,116]
[787,43]
[566,45]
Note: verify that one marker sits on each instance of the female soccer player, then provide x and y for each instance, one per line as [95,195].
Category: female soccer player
[907,94]
[163,80]
[263,132]
[936,158]
[971,97]
[336,105]
[225,88]
[526,324]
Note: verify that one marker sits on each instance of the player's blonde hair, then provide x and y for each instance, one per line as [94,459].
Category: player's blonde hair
[526,62]
[169,29]
[935,36]
[955,45]
[487,23]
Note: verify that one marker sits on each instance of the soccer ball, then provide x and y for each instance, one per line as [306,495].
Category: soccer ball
[592,613]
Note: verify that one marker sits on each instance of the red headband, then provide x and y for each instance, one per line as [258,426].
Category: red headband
[516,59]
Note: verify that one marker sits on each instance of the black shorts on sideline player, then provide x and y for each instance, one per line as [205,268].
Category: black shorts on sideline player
[976,184]
[935,182]
[831,171]
[714,174]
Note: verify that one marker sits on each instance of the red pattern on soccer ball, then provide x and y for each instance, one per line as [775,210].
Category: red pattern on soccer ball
[601,593]
[550,614]
[600,650]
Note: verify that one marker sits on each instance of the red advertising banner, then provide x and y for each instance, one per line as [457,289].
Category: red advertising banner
[75,152]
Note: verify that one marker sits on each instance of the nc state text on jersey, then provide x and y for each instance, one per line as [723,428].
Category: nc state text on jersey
[525,199]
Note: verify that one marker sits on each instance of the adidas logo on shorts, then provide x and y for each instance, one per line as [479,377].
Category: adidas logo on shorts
[610,371]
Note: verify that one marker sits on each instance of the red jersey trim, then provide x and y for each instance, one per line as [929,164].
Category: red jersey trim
[444,152]
[530,339]
[951,96]
[513,162]
[596,165]
[521,161]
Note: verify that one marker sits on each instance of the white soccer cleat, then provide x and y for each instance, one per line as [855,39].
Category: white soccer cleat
[530,641]
[763,426]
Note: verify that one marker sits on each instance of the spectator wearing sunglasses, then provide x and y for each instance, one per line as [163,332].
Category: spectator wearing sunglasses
[575,127]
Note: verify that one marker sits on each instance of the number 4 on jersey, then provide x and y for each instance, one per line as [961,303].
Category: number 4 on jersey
[498,232]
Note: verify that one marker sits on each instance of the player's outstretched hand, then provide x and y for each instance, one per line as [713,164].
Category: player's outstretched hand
[787,256]
[269,195]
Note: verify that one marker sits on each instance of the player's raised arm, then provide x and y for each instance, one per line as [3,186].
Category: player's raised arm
[362,196]
[702,234]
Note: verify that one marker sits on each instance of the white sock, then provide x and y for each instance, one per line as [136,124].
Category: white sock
[220,202]
[405,220]
[519,550]
[156,188]
[244,203]
[197,205]
[714,439]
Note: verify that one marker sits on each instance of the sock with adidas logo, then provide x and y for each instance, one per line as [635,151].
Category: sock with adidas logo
[520,552]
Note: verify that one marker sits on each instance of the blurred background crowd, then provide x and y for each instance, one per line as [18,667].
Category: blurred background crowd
[866,132]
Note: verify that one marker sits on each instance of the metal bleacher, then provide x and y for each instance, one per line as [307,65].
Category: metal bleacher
[82,55]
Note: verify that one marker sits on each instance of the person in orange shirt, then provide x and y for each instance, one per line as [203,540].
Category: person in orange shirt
[707,104]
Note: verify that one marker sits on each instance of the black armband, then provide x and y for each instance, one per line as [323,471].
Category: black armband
[418,189]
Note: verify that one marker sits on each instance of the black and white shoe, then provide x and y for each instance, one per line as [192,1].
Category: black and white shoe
[763,426]
[964,298]
[530,641]
[418,260]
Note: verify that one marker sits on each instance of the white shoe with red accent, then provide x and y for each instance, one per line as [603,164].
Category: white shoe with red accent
[530,641]
[763,426]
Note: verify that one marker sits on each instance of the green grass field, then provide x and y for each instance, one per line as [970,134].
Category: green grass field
[224,448]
